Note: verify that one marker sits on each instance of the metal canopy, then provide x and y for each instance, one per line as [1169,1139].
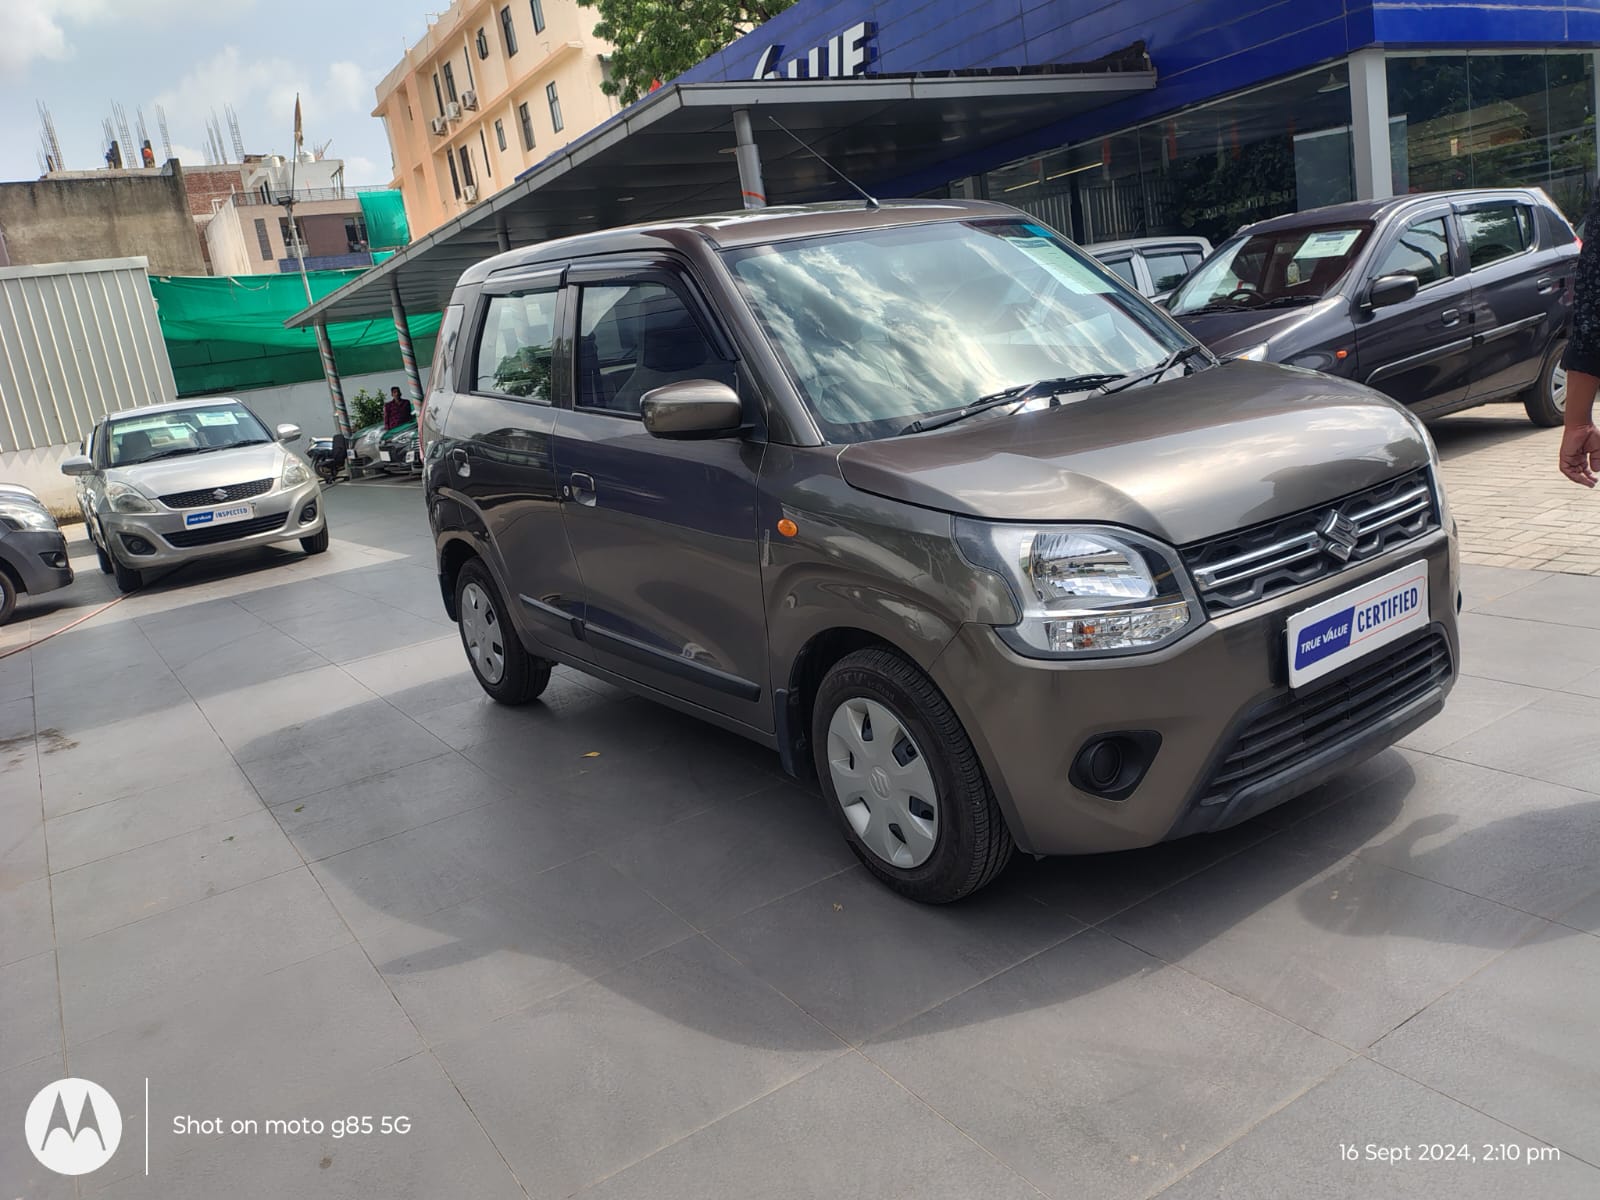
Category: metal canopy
[672,155]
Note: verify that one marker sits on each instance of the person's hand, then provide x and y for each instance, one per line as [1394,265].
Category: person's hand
[1580,453]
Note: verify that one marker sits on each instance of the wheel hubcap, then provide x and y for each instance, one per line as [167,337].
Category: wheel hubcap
[1558,388]
[883,783]
[480,630]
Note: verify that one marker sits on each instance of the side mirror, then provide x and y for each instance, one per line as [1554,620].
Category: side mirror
[694,408]
[1391,289]
[78,464]
[288,433]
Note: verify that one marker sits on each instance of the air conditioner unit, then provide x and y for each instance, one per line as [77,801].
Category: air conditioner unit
[469,101]
[453,111]
[438,126]
[470,193]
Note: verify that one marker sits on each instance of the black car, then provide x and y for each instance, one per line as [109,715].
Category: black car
[33,554]
[1442,301]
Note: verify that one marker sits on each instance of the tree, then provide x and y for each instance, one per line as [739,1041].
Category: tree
[656,40]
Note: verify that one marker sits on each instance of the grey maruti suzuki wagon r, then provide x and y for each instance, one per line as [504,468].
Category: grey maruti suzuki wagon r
[928,501]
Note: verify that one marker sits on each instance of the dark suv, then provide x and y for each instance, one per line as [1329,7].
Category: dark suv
[927,500]
[1443,301]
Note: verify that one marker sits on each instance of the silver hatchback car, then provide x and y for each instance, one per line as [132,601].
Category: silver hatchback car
[167,483]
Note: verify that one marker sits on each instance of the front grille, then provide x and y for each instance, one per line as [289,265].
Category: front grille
[1291,728]
[204,497]
[210,535]
[1267,560]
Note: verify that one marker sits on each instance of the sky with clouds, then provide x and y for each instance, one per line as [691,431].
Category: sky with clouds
[192,56]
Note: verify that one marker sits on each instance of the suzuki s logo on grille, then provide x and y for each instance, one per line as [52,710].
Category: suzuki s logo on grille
[73,1126]
[220,494]
[1340,536]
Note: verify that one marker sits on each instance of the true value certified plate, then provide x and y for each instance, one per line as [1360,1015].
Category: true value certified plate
[225,515]
[1338,631]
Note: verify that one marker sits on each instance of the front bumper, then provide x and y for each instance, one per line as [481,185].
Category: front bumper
[39,557]
[1029,718]
[164,532]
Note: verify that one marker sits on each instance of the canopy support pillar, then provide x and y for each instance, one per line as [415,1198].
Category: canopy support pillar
[408,357]
[330,372]
[752,188]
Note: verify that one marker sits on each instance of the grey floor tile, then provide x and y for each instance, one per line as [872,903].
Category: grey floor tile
[25,1177]
[597,1078]
[1474,703]
[130,755]
[1093,1069]
[274,601]
[477,719]
[16,720]
[379,806]
[1482,585]
[1520,651]
[1517,1041]
[246,714]
[26,926]
[152,815]
[1521,842]
[507,948]
[185,634]
[367,628]
[163,875]
[1587,685]
[22,842]
[446,862]
[256,658]
[30,1010]
[861,958]
[143,971]
[1556,739]
[1558,599]
[1343,946]
[16,676]
[1296,1152]
[843,1130]
[736,855]
[1584,915]
[80,704]
[444,1153]
[422,677]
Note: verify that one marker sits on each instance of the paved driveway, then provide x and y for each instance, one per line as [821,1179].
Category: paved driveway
[264,844]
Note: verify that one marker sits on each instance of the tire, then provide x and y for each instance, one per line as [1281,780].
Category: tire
[128,579]
[1546,400]
[503,666]
[8,597]
[100,554]
[970,841]
[317,542]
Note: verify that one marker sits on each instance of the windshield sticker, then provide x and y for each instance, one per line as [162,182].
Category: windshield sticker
[1038,245]
[217,418]
[1329,243]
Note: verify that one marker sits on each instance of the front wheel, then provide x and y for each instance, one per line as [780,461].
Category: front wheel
[904,781]
[317,542]
[504,668]
[128,579]
[1546,400]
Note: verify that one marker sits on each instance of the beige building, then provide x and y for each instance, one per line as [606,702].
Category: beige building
[494,87]
[250,234]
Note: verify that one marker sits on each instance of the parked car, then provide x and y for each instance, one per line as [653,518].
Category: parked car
[364,444]
[33,553]
[928,501]
[167,483]
[1442,301]
[397,449]
[1152,266]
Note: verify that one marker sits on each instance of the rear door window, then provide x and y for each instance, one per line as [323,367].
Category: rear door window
[1122,268]
[517,345]
[1422,249]
[1167,269]
[1496,231]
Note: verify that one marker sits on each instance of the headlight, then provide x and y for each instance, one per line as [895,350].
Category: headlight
[1254,354]
[26,516]
[1084,591]
[295,473]
[126,499]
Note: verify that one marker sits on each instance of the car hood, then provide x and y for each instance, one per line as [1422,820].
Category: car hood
[215,468]
[1184,459]
[1230,332]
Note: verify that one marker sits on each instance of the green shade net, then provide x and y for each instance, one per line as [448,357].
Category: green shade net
[226,334]
[385,215]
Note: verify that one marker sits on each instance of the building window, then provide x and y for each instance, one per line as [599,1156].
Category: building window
[525,118]
[287,232]
[555,106]
[449,82]
[466,166]
[263,241]
[538,15]
[509,29]
[438,93]
[483,43]
[488,170]
[355,234]
[500,134]
[455,180]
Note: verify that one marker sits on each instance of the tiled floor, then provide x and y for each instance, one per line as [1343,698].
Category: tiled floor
[264,843]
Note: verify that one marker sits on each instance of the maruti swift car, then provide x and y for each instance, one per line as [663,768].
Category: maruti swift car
[930,502]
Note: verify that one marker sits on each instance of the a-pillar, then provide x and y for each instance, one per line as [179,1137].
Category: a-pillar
[330,372]
[408,356]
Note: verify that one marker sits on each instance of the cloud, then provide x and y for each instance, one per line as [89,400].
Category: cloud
[31,30]
[350,87]
[359,170]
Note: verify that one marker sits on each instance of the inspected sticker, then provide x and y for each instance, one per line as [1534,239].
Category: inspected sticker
[219,516]
[1336,632]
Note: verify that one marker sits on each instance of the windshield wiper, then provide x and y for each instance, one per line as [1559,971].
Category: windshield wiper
[1217,306]
[181,450]
[1179,355]
[1289,301]
[1014,395]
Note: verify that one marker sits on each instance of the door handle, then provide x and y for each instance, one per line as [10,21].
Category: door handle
[1546,285]
[580,487]
[461,461]
[1451,316]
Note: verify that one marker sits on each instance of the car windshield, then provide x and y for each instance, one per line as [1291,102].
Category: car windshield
[139,438]
[880,327]
[1283,268]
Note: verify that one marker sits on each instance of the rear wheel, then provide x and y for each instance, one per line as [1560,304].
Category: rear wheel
[128,579]
[1546,400]
[904,780]
[505,669]
[317,542]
